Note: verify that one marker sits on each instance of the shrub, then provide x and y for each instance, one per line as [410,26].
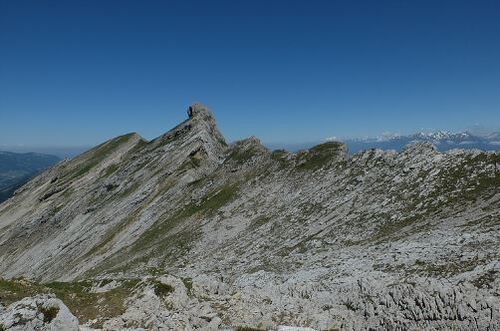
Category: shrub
[49,314]
[188,283]
[162,289]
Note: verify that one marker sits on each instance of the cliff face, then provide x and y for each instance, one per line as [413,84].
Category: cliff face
[317,238]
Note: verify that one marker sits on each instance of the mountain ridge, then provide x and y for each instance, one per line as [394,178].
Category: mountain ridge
[246,229]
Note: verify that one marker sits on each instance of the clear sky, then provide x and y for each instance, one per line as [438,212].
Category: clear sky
[79,72]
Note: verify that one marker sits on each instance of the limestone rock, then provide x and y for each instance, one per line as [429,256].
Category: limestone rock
[42,312]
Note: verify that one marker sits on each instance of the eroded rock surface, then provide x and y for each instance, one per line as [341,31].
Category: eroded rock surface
[42,312]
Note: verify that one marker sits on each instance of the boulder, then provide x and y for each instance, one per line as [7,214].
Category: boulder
[41,312]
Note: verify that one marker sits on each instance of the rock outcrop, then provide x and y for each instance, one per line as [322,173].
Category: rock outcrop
[42,312]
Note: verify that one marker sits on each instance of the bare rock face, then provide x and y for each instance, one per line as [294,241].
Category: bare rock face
[42,312]
[198,109]
[222,236]
[166,305]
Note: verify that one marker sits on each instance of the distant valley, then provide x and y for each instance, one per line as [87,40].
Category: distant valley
[16,169]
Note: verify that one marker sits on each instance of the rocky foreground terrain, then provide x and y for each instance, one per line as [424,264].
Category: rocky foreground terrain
[186,232]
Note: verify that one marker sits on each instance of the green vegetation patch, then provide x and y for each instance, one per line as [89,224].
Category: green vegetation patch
[259,221]
[182,240]
[49,313]
[76,295]
[137,148]
[241,156]
[319,156]
[88,306]
[391,227]
[460,183]
[111,170]
[98,154]
[162,289]
[221,198]
[278,154]
[161,238]
[190,163]
[280,157]
[447,269]
[14,290]
[247,328]
[484,224]
[486,280]
[188,283]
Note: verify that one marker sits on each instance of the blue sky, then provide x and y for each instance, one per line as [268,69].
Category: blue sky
[79,72]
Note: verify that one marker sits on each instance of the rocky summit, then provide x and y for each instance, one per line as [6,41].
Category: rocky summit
[188,232]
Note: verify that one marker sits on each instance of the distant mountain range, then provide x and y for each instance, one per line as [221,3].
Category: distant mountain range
[443,140]
[59,151]
[16,169]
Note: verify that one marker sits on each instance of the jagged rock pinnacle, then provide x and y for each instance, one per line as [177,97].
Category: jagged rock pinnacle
[197,109]
[199,128]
